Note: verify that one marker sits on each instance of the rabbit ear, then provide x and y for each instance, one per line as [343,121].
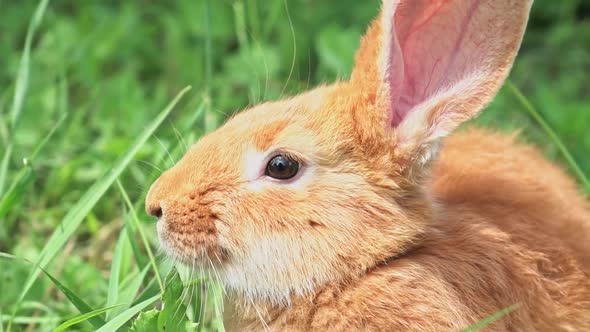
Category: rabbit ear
[433,64]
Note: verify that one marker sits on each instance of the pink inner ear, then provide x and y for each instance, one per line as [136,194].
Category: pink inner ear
[433,44]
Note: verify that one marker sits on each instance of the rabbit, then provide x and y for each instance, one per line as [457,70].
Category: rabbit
[357,207]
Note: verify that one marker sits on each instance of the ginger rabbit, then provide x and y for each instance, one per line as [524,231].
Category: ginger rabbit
[351,208]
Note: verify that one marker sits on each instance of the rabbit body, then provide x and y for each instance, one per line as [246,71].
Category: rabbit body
[387,221]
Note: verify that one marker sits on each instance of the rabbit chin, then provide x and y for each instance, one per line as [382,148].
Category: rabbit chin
[275,269]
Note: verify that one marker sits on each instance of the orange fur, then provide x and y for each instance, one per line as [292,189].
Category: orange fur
[382,231]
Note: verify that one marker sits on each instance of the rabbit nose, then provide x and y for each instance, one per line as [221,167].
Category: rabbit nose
[153,199]
[154,210]
[153,204]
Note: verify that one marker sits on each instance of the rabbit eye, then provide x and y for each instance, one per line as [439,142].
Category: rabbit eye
[282,167]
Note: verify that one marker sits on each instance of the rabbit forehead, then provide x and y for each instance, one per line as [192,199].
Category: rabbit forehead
[298,123]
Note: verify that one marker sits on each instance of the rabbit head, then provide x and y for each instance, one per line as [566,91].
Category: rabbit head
[323,186]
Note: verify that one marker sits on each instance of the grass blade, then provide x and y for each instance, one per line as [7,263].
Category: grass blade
[127,315]
[130,292]
[552,135]
[217,297]
[20,88]
[75,216]
[83,317]
[24,177]
[22,78]
[114,277]
[48,137]
[4,167]
[208,49]
[137,254]
[491,318]
[80,304]
[142,235]
[31,320]
[20,182]
[272,19]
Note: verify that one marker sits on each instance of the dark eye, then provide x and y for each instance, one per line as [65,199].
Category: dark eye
[282,167]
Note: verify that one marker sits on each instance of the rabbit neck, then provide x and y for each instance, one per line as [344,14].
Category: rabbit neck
[254,314]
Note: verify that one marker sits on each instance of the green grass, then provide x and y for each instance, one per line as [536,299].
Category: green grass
[84,129]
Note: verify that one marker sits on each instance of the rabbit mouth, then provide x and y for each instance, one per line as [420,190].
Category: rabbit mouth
[190,243]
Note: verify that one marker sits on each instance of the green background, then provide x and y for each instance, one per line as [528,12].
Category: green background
[110,67]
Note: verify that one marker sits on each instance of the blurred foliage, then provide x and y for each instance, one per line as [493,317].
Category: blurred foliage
[111,66]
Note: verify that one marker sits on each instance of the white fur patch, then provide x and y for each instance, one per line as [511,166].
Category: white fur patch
[268,272]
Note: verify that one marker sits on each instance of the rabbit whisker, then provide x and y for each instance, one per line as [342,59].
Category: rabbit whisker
[165,149]
[294,48]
